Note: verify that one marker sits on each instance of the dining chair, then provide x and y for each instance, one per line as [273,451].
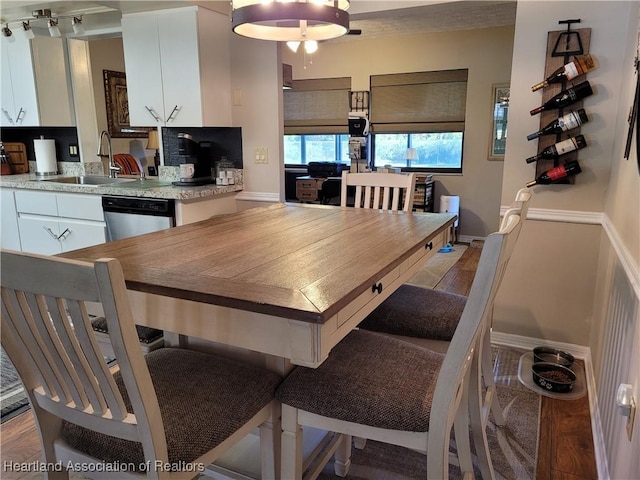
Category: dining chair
[165,415]
[429,317]
[377,387]
[379,190]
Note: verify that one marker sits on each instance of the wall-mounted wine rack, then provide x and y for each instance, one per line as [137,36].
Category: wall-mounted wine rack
[562,46]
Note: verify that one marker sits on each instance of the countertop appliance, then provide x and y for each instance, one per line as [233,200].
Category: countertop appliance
[130,216]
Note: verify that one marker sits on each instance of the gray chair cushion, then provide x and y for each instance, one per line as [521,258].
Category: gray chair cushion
[415,311]
[203,400]
[370,379]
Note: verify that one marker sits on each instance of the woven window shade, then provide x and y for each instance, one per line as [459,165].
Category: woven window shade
[317,106]
[419,102]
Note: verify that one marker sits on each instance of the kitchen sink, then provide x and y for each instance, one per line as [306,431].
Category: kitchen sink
[93,181]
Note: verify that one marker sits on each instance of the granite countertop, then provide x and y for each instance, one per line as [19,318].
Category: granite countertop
[151,187]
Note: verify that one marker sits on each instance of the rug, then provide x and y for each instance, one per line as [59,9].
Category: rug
[513,447]
[13,399]
[436,267]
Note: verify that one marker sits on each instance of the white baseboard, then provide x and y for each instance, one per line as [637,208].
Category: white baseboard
[258,196]
[583,353]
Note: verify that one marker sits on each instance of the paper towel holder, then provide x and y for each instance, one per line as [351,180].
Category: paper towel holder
[45,154]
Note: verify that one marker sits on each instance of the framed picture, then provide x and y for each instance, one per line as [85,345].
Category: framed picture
[117,102]
[499,114]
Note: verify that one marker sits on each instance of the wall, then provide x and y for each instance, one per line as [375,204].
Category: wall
[485,52]
[256,83]
[560,282]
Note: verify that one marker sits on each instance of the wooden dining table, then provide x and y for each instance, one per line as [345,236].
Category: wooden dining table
[288,280]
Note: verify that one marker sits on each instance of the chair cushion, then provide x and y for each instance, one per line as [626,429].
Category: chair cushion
[370,379]
[203,399]
[415,311]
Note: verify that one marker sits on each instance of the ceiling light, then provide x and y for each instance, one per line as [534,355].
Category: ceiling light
[293,46]
[310,46]
[54,31]
[6,31]
[78,28]
[290,20]
[26,31]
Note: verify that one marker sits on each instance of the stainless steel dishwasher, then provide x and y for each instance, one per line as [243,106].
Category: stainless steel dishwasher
[130,216]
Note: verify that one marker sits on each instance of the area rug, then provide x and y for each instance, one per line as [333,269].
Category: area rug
[13,399]
[436,267]
[513,447]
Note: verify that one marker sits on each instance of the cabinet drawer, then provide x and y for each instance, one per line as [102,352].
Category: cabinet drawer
[423,254]
[40,203]
[85,207]
[307,194]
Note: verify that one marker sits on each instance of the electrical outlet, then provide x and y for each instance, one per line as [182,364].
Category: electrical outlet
[73,150]
[630,419]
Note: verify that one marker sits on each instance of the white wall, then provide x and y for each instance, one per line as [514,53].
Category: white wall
[256,83]
[485,52]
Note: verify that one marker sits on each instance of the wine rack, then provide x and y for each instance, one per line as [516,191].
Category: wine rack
[562,46]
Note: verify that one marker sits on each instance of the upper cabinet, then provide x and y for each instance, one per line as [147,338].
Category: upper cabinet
[178,67]
[35,83]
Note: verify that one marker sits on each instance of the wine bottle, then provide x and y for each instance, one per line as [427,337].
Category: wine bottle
[567,122]
[566,97]
[557,174]
[560,148]
[580,65]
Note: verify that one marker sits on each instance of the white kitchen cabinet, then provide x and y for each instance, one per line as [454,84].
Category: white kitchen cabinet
[51,223]
[9,234]
[36,87]
[178,67]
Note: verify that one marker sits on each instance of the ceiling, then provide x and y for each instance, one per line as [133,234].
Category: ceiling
[375,18]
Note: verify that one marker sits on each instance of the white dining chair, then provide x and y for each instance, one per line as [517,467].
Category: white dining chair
[382,191]
[377,387]
[165,415]
[429,317]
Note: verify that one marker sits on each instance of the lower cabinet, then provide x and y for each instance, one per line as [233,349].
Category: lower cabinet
[9,234]
[51,223]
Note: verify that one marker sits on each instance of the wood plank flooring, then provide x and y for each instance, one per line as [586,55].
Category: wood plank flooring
[565,450]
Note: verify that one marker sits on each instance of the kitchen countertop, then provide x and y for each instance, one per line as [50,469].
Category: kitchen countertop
[150,187]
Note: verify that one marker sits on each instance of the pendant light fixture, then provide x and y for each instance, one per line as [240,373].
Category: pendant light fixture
[290,20]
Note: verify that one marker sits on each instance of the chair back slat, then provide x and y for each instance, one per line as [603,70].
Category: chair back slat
[51,342]
[380,191]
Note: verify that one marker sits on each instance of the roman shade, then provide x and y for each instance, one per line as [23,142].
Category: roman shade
[419,102]
[317,106]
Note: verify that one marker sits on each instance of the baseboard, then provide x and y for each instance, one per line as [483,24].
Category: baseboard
[583,353]
[258,196]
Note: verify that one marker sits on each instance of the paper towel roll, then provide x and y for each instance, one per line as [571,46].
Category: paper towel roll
[450,204]
[46,162]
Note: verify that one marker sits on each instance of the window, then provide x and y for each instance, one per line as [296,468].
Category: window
[316,128]
[421,110]
[302,149]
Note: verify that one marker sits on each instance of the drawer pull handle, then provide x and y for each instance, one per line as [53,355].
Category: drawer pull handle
[64,234]
[376,287]
[50,232]
[429,246]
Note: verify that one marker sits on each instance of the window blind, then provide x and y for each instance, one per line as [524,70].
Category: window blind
[419,101]
[317,106]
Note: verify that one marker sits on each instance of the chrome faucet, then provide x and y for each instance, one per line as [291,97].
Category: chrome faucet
[113,168]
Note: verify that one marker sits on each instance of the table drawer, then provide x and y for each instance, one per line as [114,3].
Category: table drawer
[309,195]
[423,254]
[368,296]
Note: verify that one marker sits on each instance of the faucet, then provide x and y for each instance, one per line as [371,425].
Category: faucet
[113,168]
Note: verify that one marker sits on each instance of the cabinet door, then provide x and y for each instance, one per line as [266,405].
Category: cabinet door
[179,53]
[144,74]
[38,235]
[7,107]
[9,235]
[22,84]
[79,234]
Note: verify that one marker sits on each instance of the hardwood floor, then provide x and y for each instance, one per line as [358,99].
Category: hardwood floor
[565,449]
[565,446]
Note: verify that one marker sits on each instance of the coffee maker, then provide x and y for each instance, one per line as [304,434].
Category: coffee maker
[197,153]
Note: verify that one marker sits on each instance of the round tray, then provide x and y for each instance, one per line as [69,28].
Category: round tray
[526,378]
